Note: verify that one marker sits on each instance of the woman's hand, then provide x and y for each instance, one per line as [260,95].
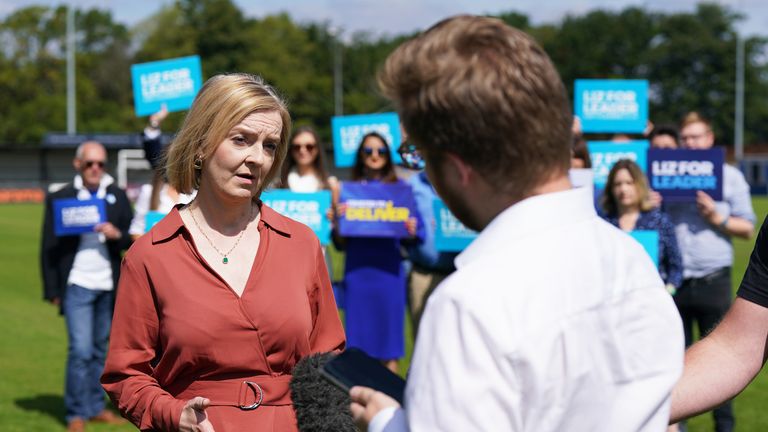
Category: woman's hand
[411,224]
[341,210]
[193,416]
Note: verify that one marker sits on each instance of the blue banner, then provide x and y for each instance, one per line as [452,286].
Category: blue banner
[72,216]
[151,218]
[450,234]
[650,242]
[173,82]
[611,105]
[605,154]
[678,174]
[376,210]
[348,131]
[311,209]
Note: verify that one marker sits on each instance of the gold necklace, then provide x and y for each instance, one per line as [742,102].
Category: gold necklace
[224,260]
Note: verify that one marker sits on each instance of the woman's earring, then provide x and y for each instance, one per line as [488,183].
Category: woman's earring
[198,163]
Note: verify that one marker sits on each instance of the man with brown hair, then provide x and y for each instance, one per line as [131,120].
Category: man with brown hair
[554,320]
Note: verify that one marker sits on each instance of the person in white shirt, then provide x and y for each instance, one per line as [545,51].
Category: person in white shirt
[554,320]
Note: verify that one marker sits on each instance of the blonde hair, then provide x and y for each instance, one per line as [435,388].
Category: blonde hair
[486,92]
[223,102]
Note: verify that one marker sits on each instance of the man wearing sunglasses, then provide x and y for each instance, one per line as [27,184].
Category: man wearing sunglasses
[80,274]
[554,320]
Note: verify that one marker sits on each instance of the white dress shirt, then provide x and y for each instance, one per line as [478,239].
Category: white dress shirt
[553,321]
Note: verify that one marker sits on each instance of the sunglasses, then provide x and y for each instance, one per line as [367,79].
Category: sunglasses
[384,151]
[90,163]
[411,157]
[307,147]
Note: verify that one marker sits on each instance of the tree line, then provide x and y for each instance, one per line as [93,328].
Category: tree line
[688,58]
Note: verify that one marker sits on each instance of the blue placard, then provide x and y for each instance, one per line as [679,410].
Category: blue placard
[173,82]
[611,105]
[72,216]
[349,130]
[151,218]
[678,174]
[376,210]
[650,242]
[606,153]
[311,209]
[450,234]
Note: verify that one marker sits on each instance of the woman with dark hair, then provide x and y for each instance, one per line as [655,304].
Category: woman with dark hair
[627,205]
[304,169]
[374,275]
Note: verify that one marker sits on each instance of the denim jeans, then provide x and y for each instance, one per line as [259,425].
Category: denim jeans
[88,314]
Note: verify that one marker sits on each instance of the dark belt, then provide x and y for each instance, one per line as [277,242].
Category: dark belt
[709,277]
[244,393]
[421,269]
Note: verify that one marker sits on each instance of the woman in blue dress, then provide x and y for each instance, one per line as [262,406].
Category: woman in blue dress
[374,276]
[626,205]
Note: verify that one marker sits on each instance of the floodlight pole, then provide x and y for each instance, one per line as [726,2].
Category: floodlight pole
[738,131]
[71,108]
[338,91]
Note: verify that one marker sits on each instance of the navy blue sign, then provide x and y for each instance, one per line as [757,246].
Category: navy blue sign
[375,210]
[72,216]
[678,174]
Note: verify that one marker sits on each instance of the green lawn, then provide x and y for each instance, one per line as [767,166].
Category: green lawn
[33,340]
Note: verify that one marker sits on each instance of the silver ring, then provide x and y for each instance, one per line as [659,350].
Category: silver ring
[256,404]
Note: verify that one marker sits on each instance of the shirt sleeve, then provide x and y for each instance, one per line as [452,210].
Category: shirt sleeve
[327,332]
[127,376]
[463,382]
[740,199]
[754,285]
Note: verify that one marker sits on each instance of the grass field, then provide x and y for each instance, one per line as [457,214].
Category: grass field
[33,338]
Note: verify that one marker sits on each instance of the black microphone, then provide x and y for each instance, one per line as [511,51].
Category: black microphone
[320,406]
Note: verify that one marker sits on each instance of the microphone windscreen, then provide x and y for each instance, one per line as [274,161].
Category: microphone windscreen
[320,406]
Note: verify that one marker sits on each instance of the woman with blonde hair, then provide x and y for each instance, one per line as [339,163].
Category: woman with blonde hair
[627,205]
[223,296]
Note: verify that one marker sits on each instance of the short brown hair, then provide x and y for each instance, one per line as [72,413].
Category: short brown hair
[608,200]
[223,102]
[487,92]
[694,117]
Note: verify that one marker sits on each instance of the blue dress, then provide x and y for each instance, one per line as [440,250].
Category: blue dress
[375,296]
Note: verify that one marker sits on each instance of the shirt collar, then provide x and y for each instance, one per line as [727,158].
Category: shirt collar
[530,217]
[168,226]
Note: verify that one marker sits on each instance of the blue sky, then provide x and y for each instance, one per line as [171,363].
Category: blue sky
[399,16]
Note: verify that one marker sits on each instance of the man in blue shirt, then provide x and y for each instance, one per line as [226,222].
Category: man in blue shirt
[704,233]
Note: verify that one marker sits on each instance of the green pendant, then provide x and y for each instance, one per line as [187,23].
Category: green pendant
[225,260]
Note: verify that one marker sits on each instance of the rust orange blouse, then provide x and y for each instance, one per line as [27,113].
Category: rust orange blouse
[179,331]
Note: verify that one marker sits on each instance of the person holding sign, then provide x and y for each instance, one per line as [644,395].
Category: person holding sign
[704,231]
[224,296]
[627,205]
[80,273]
[304,168]
[374,277]
[158,196]
[554,320]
